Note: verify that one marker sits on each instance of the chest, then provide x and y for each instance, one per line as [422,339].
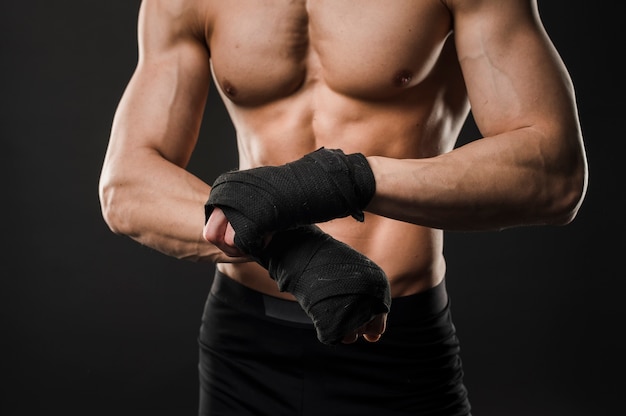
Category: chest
[262,51]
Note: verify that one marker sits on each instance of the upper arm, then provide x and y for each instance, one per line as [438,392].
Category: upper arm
[162,107]
[514,76]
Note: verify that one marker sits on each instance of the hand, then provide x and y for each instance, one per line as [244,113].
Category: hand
[343,292]
[321,186]
[220,233]
[371,331]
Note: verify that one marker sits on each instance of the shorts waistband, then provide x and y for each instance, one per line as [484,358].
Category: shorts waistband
[243,298]
[404,309]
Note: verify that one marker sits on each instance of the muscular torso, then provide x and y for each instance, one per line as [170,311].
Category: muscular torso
[298,75]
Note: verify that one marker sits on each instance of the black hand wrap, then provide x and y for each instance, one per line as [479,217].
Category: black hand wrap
[323,185]
[339,288]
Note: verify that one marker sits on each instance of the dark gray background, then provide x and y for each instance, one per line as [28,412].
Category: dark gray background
[93,323]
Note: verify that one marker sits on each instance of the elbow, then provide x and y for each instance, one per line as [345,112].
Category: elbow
[113,208]
[568,196]
[566,208]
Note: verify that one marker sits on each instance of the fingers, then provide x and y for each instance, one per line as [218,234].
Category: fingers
[371,331]
[350,338]
[219,232]
[374,329]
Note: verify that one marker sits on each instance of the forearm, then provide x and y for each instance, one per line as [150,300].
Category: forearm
[158,204]
[513,179]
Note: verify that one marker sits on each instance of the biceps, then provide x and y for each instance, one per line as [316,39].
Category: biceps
[513,74]
[163,104]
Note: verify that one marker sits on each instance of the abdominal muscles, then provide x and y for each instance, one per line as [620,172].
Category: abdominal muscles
[303,83]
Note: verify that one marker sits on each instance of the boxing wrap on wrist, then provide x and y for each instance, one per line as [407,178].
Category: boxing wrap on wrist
[339,288]
[323,185]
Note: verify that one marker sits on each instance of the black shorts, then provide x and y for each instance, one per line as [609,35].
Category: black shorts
[259,355]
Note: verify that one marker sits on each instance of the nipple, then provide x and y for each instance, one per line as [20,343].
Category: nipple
[229,89]
[402,78]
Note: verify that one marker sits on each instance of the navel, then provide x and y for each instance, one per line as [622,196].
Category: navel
[402,78]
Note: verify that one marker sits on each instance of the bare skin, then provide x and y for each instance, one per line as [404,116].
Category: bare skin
[394,83]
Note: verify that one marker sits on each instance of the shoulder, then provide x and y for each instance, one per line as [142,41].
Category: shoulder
[174,18]
[489,20]
[486,8]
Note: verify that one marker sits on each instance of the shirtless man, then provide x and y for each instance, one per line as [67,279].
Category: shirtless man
[392,82]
